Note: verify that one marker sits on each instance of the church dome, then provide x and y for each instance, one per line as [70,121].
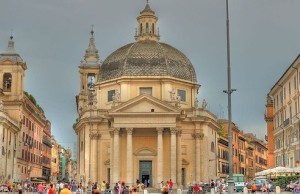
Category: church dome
[147,58]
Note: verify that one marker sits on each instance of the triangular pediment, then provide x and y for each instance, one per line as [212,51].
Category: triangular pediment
[144,104]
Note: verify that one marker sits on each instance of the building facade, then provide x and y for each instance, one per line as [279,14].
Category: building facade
[249,152]
[260,152]
[138,114]
[9,130]
[23,110]
[54,160]
[283,118]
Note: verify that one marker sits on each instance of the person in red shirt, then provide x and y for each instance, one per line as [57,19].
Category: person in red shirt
[170,186]
[50,191]
[196,189]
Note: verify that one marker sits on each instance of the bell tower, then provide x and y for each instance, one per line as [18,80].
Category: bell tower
[146,29]
[89,71]
[12,72]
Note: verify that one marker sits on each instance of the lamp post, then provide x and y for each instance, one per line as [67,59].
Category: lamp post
[229,91]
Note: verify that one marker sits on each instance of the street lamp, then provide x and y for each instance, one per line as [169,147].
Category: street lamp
[229,91]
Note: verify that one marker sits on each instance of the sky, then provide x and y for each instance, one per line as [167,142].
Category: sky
[51,36]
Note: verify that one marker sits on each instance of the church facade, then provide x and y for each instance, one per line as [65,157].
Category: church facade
[138,114]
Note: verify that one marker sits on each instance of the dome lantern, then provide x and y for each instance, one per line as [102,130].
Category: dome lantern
[146,29]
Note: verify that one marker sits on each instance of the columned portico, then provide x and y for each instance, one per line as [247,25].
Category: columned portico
[160,154]
[129,157]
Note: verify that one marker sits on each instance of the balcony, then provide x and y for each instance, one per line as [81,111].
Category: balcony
[47,141]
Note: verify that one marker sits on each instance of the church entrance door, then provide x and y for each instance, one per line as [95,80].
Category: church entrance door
[145,172]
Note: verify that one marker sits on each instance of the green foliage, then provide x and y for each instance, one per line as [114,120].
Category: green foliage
[282,181]
[74,125]
[33,100]
[221,131]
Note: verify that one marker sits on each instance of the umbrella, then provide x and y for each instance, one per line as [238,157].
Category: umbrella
[281,169]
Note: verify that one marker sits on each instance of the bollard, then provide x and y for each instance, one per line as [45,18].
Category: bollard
[277,190]
[212,191]
[145,191]
[245,190]
[178,191]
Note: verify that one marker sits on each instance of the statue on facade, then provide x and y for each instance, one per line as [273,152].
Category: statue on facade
[196,102]
[172,94]
[116,96]
[204,104]
[1,105]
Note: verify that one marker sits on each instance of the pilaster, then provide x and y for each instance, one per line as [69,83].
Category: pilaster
[160,155]
[173,154]
[116,156]
[129,157]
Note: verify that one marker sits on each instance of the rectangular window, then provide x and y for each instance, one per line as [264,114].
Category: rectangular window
[110,95]
[146,90]
[182,95]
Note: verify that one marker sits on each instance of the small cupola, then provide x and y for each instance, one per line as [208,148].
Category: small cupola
[146,29]
[10,51]
[91,56]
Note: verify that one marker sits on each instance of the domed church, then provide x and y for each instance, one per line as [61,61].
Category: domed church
[138,114]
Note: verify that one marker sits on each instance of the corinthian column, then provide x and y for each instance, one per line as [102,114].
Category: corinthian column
[179,159]
[197,150]
[160,155]
[173,154]
[129,157]
[116,156]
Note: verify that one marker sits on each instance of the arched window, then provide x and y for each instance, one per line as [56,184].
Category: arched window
[147,28]
[81,146]
[212,147]
[8,154]
[7,82]
[141,29]
[152,28]
[3,150]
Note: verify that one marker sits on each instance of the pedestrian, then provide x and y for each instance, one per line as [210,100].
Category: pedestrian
[196,189]
[253,188]
[65,190]
[73,187]
[103,186]
[20,188]
[115,190]
[40,188]
[50,190]
[170,186]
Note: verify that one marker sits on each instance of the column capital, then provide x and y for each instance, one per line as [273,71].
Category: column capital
[198,135]
[173,130]
[159,130]
[129,131]
[116,131]
[95,135]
